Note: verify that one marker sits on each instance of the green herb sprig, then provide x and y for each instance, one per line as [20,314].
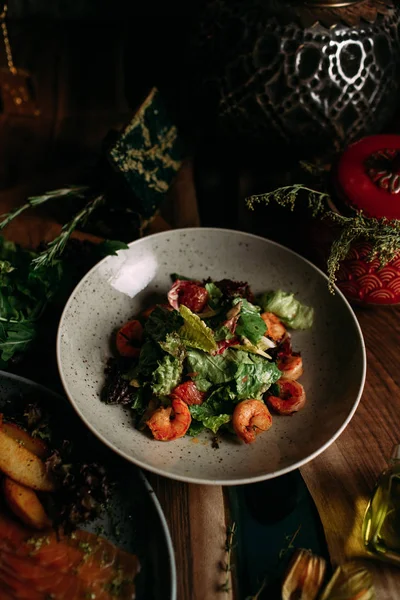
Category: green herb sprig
[287,196]
[382,234]
[76,191]
[226,566]
[30,281]
[54,249]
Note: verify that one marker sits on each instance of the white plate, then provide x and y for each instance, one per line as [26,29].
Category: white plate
[120,286]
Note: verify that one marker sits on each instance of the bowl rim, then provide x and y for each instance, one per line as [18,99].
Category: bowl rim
[188,478]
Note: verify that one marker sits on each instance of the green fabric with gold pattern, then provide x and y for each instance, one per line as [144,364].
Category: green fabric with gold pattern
[149,153]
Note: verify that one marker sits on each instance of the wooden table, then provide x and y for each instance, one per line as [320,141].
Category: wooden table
[339,480]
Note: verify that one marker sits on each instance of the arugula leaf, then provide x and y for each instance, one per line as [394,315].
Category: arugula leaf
[15,338]
[110,247]
[167,375]
[173,345]
[161,322]
[285,306]
[195,332]
[250,325]
[253,380]
[214,295]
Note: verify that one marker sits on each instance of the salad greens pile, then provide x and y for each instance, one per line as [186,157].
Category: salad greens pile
[224,349]
[28,288]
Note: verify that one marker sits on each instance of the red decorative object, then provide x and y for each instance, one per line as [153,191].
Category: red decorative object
[365,282]
[367,177]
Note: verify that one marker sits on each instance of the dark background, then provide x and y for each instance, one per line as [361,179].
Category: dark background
[92,64]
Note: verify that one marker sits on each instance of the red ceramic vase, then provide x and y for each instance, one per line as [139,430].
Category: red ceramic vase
[367,177]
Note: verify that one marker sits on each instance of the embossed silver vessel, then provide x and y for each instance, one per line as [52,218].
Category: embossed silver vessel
[314,73]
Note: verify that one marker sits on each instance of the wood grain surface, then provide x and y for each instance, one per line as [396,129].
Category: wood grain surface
[340,480]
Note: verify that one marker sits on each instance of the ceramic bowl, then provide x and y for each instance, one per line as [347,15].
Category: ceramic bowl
[120,286]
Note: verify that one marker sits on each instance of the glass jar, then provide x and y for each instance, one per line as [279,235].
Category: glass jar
[381,526]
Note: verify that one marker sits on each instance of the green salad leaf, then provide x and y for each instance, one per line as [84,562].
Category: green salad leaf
[139,402]
[195,332]
[176,276]
[210,413]
[167,375]
[223,333]
[161,322]
[214,295]
[214,423]
[249,375]
[28,287]
[285,306]
[15,337]
[110,247]
[150,355]
[196,427]
[253,380]
[250,324]
[216,410]
[174,345]
[209,370]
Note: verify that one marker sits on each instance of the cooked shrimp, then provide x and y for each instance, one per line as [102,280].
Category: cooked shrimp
[275,328]
[171,423]
[292,397]
[291,365]
[250,418]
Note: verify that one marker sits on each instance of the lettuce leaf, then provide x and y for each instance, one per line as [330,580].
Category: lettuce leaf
[249,375]
[161,322]
[195,333]
[216,410]
[209,370]
[250,324]
[173,345]
[214,423]
[195,428]
[167,375]
[253,380]
[285,306]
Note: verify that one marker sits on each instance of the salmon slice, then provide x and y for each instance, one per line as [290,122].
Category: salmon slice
[38,566]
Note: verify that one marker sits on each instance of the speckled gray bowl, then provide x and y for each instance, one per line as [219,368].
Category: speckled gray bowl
[120,286]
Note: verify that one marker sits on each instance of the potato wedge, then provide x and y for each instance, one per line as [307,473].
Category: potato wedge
[34,445]
[23,466]
[25,504]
